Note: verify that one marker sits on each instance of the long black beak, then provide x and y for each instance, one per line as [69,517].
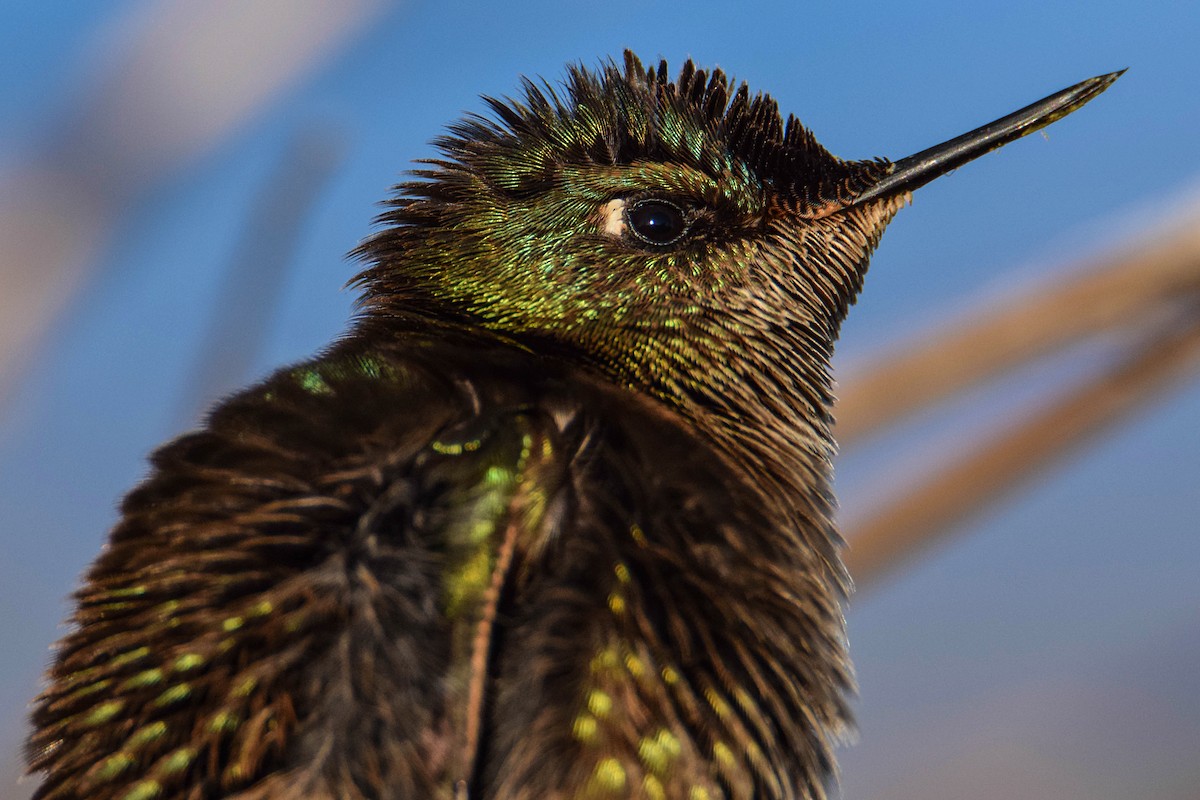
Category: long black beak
[917,170]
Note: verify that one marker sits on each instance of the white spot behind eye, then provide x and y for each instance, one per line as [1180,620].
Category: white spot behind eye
[612,218]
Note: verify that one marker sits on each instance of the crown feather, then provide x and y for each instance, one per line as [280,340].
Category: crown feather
[620,115]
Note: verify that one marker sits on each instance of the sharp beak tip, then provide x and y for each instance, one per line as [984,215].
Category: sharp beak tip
[917,170]
[1096,85]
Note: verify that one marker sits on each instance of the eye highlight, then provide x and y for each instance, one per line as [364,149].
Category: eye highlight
[656,222]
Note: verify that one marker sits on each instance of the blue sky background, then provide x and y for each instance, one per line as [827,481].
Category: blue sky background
[1049,652]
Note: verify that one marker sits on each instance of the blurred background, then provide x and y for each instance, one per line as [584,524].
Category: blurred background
[180,181]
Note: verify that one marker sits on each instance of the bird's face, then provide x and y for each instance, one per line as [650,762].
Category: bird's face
[677,236]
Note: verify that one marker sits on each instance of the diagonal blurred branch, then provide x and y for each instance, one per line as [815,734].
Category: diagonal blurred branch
[1124,289]
[254,279]
[194,72]
[923,514]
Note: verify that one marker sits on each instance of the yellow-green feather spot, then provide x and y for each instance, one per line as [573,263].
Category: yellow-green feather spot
[723,755]
[234,772]
[622,572]
[653,789]
[146,734]
[129,657]
[91,688]
[536,500]
[606,660]
[168,608]
[104,712]
[465,588]
[658,752]
[480,532]
[145,678]
[638,534]
[616,603]
[635,666]
[599,703]
[175,694]
[468,576]
[262,608]
[745,701]
[718,703]
[231,624]
[754,755]
[188,662]
[224,722]
[585,728]
[128,591]
[312,381]
[177,761]
[495,490]
[114,766]
[370,367]
[114,606]
[244,688]
[670,676]
[609,776]
[81,676]
[144,790]
[497,476]
[698,793]
[456,448]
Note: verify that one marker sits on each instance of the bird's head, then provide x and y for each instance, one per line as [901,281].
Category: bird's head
[677,236]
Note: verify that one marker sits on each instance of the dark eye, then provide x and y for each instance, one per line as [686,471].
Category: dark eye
[656,221]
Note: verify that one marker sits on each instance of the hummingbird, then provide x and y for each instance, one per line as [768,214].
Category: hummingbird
[553,519]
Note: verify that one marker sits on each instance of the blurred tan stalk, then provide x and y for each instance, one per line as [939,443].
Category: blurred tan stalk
[187,75]
[1150,293]
[253,285]
[1146,276]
